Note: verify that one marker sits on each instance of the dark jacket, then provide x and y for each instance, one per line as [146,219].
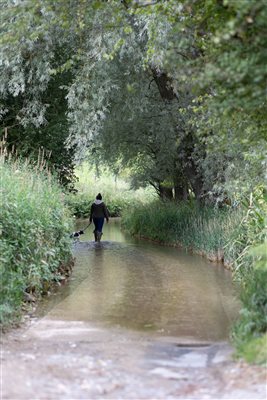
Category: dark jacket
[98,210]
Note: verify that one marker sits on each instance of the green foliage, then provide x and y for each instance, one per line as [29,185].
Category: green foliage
[80,204]
[34,234]
[220,45]
[254,314]
[50,138]
[253,350]
[251,234]
[127,87]
[251,269]
[115,190]
[34,53]
[249,334]
[205,230]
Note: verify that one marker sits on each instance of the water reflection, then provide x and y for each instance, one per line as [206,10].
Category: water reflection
[147,287]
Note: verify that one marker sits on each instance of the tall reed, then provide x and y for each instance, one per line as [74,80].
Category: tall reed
[201,229]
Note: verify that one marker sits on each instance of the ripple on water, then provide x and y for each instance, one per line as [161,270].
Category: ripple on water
[104,245]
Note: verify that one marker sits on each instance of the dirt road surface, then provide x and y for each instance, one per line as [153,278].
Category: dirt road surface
[54,359]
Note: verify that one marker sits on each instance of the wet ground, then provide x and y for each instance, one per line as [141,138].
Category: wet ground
[136,321]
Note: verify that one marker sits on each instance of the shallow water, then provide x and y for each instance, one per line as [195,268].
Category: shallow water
[122,282]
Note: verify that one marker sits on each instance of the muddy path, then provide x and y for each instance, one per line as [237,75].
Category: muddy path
[135,321]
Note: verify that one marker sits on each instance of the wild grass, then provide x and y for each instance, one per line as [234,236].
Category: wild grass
[250,266]
[201,229]
[253,349]
[34,233]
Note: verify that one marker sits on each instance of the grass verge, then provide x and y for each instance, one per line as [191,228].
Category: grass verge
[202,230]
[35,247]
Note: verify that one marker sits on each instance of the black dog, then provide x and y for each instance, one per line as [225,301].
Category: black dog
[77,234]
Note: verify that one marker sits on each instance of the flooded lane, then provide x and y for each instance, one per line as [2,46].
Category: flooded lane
[133,322]
[133,284]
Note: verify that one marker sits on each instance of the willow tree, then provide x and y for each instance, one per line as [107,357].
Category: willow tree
[35,55]
[221,52]
[174,88]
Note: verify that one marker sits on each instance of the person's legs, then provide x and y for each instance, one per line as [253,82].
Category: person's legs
[99,222]
[95,235]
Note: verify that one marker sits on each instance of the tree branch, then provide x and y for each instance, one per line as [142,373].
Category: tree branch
[150,83]
[145,3]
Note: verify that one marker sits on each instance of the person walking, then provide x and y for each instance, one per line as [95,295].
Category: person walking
[97,214]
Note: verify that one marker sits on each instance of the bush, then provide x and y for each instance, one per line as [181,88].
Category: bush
[249,333]
[116,192]
[80,204]
[250,267]
[34,234]
[253,350]
[251,233]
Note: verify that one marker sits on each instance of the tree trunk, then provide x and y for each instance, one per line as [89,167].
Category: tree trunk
[164,85]
[165,193]
[190,169]
[180,188]
[196,182]
[186,147]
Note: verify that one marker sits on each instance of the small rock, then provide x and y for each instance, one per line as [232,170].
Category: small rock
[29,297]
[166,373]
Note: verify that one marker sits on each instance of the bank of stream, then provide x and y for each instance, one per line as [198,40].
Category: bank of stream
[135,321]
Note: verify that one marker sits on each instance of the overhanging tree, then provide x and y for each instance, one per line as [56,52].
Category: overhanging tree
[207,60]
